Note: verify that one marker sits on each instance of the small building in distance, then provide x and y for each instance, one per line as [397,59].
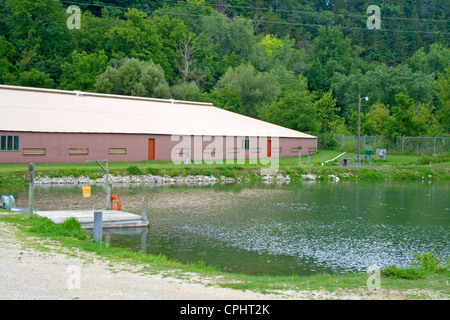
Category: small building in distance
[56,126]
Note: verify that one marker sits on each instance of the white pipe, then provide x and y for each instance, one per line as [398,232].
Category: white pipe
[335,158]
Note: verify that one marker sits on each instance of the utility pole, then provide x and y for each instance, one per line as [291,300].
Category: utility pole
[299,155]
[30,178]
[359,121]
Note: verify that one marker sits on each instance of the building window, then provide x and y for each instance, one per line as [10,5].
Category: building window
[276,150]
[233,150]
[209,150]
[246,144]
[256,150]
[117,150]
[9,143]
[294,150]
[182,151]
[78,151]
[33,151]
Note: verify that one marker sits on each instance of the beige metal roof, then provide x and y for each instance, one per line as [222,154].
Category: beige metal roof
[45,110]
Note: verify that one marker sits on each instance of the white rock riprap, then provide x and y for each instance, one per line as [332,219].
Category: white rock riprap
[161,180]
[150,179]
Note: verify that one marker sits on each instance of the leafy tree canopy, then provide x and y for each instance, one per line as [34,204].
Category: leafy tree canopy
[298,63]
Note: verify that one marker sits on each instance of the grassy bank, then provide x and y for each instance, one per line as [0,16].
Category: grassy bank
[429,272]
[395,167]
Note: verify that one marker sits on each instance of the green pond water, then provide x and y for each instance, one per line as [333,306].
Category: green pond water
[295,228]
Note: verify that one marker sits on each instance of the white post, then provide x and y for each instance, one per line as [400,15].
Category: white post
[98,226]
[144,209]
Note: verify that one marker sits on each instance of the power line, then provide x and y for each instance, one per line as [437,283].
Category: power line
[258,20]
[327,13]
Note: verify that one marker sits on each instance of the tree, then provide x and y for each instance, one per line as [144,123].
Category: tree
[270,43]
[294,108]
[93,35]
[7,72]
[35,78]
[382,85]
[434,62]
[326,114]
[137,37]
[331,53]
[136,78]
[271,52]
[172,32]
[378,119]
[7,50]
[188,91]
[187,48]
[443,112]
[7,54]
[227,99]
[404,119]
[426,118]
[187,11]
[83,70]
[254,88]
[38,31]
[229,35]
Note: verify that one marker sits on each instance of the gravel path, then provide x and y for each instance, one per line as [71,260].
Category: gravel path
[27,273]
[52,274]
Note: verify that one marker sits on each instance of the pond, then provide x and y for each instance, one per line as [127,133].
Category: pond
[279,229]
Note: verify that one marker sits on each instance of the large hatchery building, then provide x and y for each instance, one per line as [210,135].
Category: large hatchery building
[56,126]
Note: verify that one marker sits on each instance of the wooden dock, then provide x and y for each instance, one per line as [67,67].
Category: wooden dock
[111,219]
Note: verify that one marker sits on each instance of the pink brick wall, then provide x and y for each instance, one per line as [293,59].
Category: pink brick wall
[57,147]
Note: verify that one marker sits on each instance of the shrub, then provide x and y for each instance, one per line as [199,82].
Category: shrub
[69,228]
[402,273]
[421,265]
[133,170]
[72,228]
[370,175]
[153,171]
[207,172]
[436,158]
[174,173]
[430,262]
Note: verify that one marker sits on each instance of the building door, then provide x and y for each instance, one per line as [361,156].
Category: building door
[151,149]
[269,148]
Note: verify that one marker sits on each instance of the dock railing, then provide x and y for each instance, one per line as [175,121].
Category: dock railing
[356,160]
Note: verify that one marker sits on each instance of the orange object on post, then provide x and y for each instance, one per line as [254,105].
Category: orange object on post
[113,197]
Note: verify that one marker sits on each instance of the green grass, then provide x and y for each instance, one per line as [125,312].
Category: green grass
[69,235]
[396,166]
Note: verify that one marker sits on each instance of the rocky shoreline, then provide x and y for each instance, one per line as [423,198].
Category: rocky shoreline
[152,179]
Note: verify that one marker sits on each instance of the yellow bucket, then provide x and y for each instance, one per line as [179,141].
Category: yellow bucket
[86,191]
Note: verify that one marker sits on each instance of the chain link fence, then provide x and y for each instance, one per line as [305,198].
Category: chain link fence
[418,145]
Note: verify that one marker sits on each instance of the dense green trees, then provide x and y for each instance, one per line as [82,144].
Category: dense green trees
[136,78]
[300,64]
[81,71]
[381,85]
[252,87]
